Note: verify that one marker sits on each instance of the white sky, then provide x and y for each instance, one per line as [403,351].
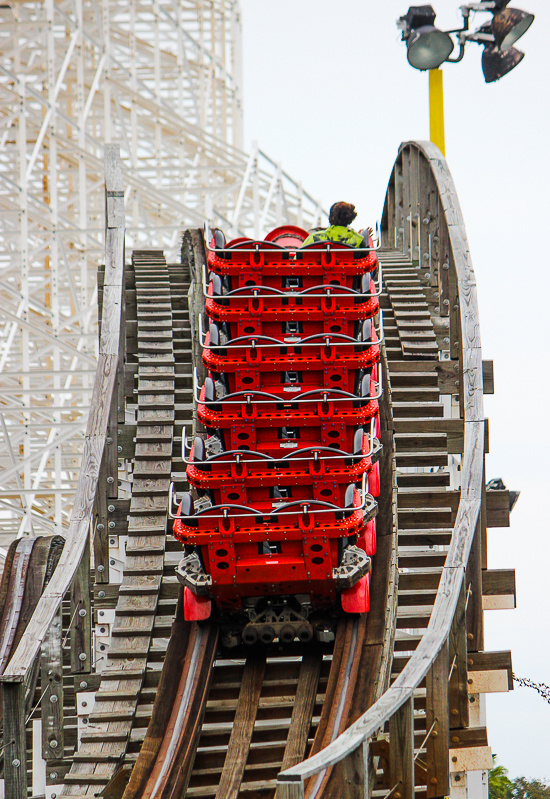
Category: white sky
[328,92]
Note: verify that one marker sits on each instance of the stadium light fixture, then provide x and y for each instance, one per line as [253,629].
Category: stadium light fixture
[429,47]
[509,25]
[496,63]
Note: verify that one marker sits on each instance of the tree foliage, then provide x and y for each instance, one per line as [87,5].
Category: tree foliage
[501,787]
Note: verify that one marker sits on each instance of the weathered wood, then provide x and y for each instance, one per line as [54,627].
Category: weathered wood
[467,351]
[81,616]
[474,615]
[470,736]
[302,712]
[437,723]
[101,526]
[111,453]
[499,582]
[51,683]
[458,678]
[241,734]
[490,661]
[488,377]
[15,740]
[402,750]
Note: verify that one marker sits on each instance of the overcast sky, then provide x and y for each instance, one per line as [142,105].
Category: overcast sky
[329,93]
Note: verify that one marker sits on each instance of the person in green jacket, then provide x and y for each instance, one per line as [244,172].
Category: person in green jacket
[341,215]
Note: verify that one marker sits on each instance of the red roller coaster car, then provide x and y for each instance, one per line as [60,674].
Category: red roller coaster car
[280,528]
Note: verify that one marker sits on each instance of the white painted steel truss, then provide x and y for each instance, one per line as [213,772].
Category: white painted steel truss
[162,79]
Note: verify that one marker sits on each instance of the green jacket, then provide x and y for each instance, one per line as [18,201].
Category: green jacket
[336,233]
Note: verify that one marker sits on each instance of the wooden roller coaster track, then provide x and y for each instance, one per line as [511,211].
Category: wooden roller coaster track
[388,708]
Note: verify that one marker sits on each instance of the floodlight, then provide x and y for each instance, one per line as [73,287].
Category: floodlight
[496,63]
[509,25]
[428,47]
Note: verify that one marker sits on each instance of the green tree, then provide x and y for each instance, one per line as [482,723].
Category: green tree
[522,788]
[500,787]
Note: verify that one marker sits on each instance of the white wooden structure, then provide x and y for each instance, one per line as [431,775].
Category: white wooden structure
[163,80]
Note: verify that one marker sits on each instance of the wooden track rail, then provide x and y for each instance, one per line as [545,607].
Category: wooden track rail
[385,709]
[421,212]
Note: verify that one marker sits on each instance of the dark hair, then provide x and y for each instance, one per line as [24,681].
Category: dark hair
[342,214]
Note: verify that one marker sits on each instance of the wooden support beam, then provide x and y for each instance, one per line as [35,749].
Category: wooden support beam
[454,428]
[290,790]
[51,683]
[458,678]
[498,508]
[111,455]
[402,751]
[15,740]
[101,527]
[437,716]
[81,617]
[488,377]
[476,561]
[492,661]
[448,373]
[473,758]
[470,736]
[499,589]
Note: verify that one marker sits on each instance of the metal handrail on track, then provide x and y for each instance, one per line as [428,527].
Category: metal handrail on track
[291,782]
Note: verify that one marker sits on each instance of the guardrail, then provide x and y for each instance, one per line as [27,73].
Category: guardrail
[73,568]
[422,217]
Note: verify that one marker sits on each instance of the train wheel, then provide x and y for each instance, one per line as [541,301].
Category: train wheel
[195,608]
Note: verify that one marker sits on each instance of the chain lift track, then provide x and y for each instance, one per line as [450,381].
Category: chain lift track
[392,702]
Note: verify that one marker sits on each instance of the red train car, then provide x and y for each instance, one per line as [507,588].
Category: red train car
[279,527]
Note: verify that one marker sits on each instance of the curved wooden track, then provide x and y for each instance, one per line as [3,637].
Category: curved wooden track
[377,711]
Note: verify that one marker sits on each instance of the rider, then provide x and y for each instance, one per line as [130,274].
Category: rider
[341,215]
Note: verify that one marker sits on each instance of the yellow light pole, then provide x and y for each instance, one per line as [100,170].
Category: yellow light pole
[437,117]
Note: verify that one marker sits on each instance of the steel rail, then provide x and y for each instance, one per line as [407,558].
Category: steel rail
[291,781]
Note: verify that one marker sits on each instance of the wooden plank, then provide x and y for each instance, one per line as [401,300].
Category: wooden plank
[402,750]
[458,679]
[101,526]
[470,736]
[490,661]
[437,723]
[474,614]
[15,755]
[488,377]
[81,614]
[499,582]
[498,508]
[51,681]
[302,712]
[111,453]
[243,727]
